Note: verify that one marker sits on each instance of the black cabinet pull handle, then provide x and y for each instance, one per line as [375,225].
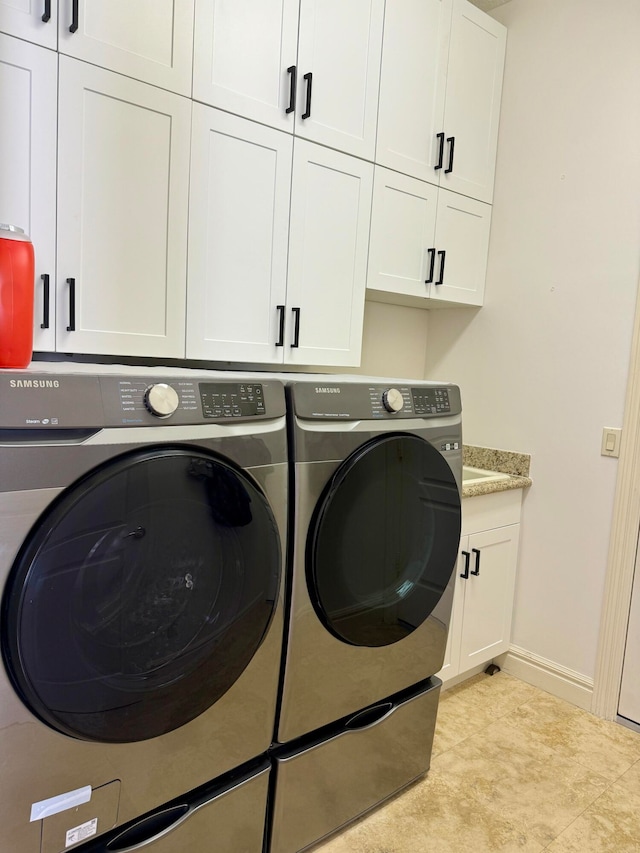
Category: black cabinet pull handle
[45,301]
[74,17]
[292,91]
[467,557]
[47,11]
[296,328]
[307,112]
[432,264]
[72,305]
[451,140]
[443,256]
[280,341]
[438,165]
[476,571]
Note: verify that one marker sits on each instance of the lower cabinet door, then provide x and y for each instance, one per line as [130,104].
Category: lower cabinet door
[238,238]
[488,595]
[123,182]
[328,244]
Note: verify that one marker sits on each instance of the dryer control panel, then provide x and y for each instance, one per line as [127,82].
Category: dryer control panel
[361,401]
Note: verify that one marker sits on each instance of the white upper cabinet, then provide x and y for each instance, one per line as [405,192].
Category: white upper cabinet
[427,245]
[242,50]
[32,20]
[339,53]
[28,123]
[412,85]
[330,216]
[149,40]
[403,226]
[472,112]
[238,238]
[123,180]
[440,91]
[315,70]
[462,247]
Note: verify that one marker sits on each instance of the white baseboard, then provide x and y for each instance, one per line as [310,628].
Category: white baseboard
[548,676]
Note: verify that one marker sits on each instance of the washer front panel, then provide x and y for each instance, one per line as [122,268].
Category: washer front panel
[141,595]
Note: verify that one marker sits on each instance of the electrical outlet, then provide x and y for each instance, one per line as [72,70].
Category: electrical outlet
[611,441]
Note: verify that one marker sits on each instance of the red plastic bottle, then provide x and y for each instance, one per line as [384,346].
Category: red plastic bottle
[17,281]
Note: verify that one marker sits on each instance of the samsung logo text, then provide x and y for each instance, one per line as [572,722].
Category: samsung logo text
[34,383]
[327,390]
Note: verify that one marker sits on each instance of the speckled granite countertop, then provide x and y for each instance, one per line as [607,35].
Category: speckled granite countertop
[504,461]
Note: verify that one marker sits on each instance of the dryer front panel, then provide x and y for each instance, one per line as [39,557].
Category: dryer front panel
[141,594]
[383,541]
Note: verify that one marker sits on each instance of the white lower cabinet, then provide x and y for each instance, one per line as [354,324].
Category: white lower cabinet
[428,245]
[123,183]
[277,254]
[480,627]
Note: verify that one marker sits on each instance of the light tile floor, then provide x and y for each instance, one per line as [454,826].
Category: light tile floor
[513,769]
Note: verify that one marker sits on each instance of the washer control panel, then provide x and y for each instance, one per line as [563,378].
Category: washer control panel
[245,399]
[84,401]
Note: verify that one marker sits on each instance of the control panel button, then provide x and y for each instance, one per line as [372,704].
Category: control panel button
[161,400]
[392,400]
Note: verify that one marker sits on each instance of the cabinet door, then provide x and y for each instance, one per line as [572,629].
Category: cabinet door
[238,236]
[32,20]
[242,50]
[328,239]
[462,233]
[472,112]
[451,664]
[412,85]
[340,46]
[403,222]
[149,40]
[488,595]
[28,113]
[123,167]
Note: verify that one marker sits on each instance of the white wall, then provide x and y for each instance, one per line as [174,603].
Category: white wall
[543,365]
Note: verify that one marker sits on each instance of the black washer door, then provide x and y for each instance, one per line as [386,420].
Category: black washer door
[384,541]
[141,595]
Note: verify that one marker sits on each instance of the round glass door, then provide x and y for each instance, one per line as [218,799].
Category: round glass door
[384,541]
[141,595]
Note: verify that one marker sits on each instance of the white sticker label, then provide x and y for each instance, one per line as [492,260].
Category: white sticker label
[79,833]
[55,805]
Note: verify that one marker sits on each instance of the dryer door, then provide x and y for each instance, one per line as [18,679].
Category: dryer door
[383,541]
[141,594]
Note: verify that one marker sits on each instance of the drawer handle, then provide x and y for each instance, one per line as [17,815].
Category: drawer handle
[72,305]
[292,91]
[45,301]
[451,140]
[74,17]
[467,558]
[46,17]
[476,571]
[438,165]
[307,112]
[369,717]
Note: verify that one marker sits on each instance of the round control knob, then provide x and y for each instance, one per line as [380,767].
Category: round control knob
[392,400]
[161,400]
